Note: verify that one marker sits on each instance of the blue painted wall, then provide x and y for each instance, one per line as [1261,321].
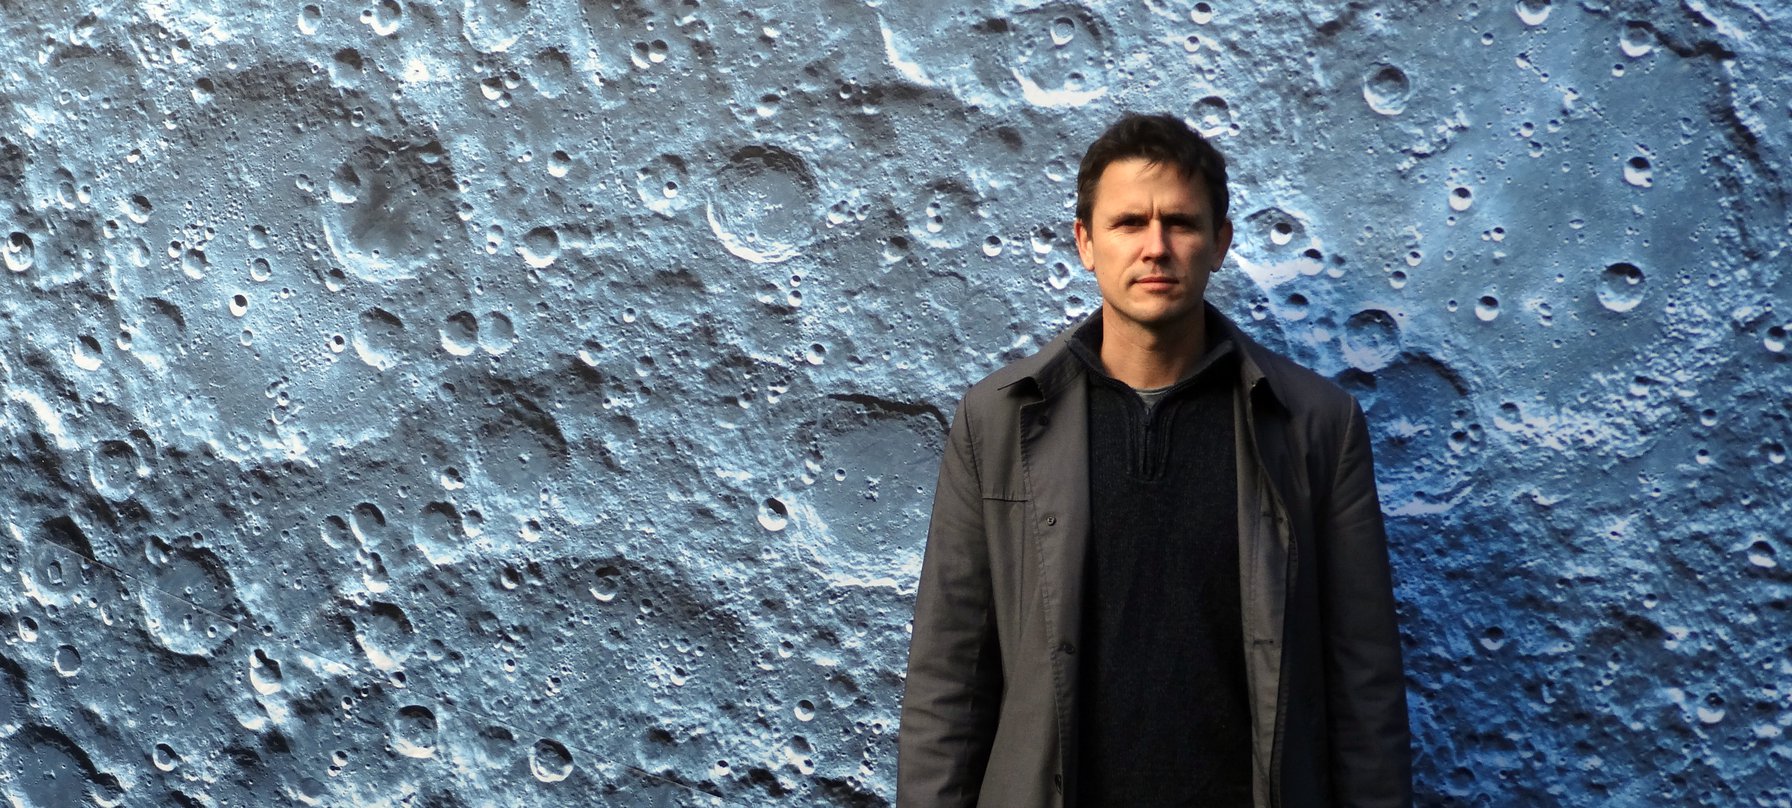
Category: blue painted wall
[537,402]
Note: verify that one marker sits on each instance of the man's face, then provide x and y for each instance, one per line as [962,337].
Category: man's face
[1151,241]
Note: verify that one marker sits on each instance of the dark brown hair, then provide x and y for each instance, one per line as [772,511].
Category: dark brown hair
[1159,139]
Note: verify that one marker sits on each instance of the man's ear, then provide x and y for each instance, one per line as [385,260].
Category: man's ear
[1085,246]
[1222,238]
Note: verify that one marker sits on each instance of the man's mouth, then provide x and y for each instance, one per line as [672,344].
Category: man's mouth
[1156,280]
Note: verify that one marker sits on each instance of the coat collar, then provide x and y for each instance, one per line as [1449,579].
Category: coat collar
[1049,371]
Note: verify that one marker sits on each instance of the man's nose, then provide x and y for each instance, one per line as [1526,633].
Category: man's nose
[1155,240]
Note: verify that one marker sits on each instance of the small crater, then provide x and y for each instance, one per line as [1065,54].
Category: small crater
[115,468]
[1532,12]
[379,338]
[310,17]
[440,532]
[763,204]
[384,18]
[1371,340]
[663,185]
[774,515]
[346,68]
[1461,198]
[1387,88]
[540,247]
[1762,554]
[460,333]
[67,661]
[164,758]
[264,673]
[1621,287]
[1638,40]
[18,252]
[414,731]
[492,26]
[498,334]
[549,761]
[1214,117]
[607,584]
[190,606]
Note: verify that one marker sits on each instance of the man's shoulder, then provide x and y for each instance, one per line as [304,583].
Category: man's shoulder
[1298,387]
[1036,374]
[1002,388]
[1008,375]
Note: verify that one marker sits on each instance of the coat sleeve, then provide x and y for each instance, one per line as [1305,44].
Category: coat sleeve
[1365,685]
[954,687]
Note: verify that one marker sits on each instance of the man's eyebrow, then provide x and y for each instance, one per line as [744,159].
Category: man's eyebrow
[1169,217]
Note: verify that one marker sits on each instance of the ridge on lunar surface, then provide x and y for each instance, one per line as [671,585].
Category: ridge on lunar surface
[538,402]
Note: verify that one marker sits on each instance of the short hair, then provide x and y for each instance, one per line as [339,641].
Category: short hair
[1159,139]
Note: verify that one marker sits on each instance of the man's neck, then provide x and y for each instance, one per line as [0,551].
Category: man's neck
[1144,358]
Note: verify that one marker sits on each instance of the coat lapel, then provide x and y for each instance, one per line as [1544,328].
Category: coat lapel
[1055,447]
[1054,450]
[1269,426]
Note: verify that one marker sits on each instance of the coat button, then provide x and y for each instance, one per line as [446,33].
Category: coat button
[1058,782]
[1067,649]
[1051,520]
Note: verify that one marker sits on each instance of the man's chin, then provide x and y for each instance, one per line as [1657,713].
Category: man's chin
[1159,318]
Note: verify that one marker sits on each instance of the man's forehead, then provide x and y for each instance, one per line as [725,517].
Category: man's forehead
[1143,166]
[1135,184]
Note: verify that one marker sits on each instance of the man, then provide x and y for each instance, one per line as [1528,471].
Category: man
[1156,572]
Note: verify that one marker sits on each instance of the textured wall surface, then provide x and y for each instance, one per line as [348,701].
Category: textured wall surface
[537,402]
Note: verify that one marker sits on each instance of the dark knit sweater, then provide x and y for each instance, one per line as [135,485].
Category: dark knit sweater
[1163,703]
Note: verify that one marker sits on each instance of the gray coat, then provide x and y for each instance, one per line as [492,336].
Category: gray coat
[988,712]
